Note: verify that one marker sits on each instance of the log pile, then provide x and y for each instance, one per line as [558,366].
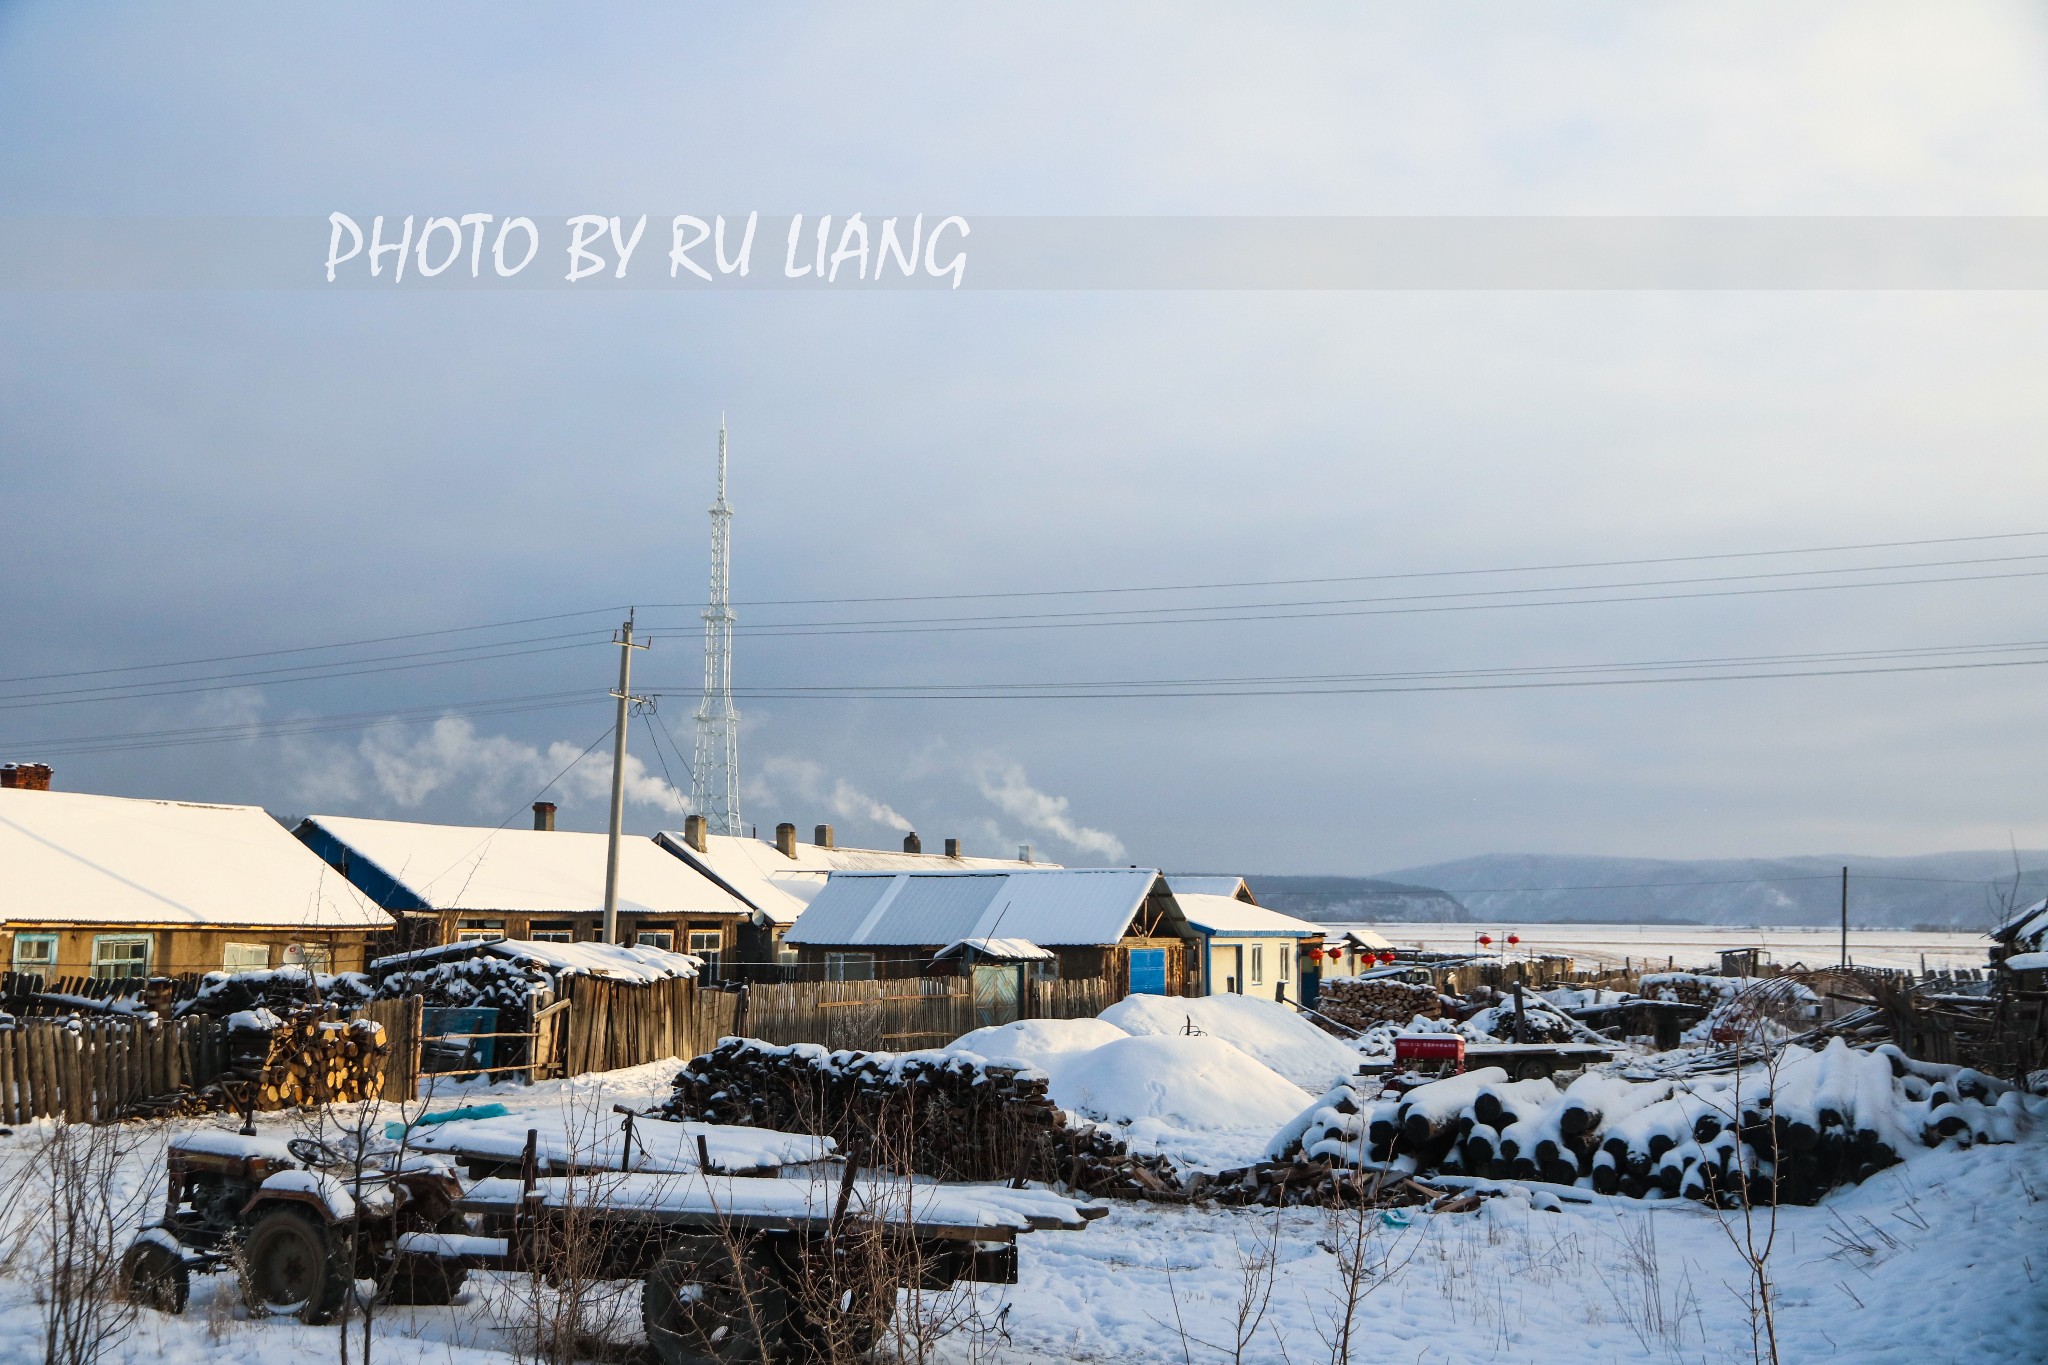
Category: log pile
[1783,1132]
[1323,1182]
[1362,1003]
[315,1057]
[929,1113]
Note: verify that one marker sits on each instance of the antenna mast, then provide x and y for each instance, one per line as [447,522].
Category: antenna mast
[715,776]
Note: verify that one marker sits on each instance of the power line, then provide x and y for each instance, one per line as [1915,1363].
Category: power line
[305,649]
[911,626]
[1360,578]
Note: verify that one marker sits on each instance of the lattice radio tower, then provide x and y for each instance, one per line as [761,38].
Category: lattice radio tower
[715,777]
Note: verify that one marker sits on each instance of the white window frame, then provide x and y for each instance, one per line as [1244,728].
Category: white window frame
[100,941]
[837,963]
[664,939]
[43,969]
[554,933]
[228,951]
[1255,966]
[708,944]
[1287,964]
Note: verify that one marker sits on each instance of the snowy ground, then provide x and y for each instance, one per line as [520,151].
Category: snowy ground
[1940,1259]
[1613,944]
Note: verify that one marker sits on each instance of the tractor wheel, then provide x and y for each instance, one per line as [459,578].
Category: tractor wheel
[290,1267]
[429,1279]
[704,1304]
[155,1276]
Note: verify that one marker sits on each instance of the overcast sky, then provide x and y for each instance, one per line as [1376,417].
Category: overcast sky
[193,474]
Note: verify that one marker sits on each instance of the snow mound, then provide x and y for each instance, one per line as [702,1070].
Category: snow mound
[1193,1083]
[1272,1032]
[1031,1040]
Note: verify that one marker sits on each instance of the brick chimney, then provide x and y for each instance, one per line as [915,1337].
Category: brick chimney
[28,777]
[544,815]
[952,848]
[824,837]
[785,839]
[697,833]
[910,843]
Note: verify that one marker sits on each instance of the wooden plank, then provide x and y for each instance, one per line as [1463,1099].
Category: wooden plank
[8,1113]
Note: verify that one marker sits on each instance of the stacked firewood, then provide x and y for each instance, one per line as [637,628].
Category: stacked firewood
[1786,1131]
[1362,1003]
[930,1113]
[315,1057]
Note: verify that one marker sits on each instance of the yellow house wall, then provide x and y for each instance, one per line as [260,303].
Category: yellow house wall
[176,951]
[1223,966]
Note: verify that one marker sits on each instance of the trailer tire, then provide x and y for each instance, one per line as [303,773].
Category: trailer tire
[290,1267]
[429,1280]
[154,1276]
[706,1303]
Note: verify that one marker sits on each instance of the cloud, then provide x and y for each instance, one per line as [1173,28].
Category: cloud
[1007,786]
[805,780]
[405,769]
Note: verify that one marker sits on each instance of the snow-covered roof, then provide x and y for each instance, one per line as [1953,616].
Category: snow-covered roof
[618,961]
[71,857]
[1066,906]
[779,887]
[2024,928]
[465,867]
[1365,938]
[1233,887]
[1224,915]
[1005,949]
[2026,962]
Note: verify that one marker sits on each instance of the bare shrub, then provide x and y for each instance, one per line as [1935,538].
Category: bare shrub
[80,1214]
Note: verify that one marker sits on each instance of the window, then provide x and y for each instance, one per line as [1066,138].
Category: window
[310,956]
[655,938]
[117,957]
[1257,974]
[849,966]
[478,930]
[36,955]
[1287,964]
[707,943]
[551,931]
[245,957]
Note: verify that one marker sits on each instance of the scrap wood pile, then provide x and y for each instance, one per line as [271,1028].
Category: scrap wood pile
[315,1056]
[1324,1182]
[1361,1002]
[1785,1131]
[940,1114]
[281,990]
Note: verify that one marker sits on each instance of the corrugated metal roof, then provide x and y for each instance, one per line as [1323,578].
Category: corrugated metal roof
[73,857]
[463,867]
[780,886]
[1066,907]
[1223,915]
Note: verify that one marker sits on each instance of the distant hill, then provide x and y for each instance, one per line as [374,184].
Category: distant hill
[1945,890]
[1336,900]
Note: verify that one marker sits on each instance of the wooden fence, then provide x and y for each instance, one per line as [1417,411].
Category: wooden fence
[873,1016]
[93,1070]
[610,1024]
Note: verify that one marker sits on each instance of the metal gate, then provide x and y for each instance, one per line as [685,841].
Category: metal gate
[995,993]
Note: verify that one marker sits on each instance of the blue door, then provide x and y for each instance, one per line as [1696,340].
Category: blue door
[1148,971]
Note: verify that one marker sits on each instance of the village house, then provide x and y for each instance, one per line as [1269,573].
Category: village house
[114,887]
[778,880]
[1002,927]
[1247,949]
[447,883]
[1352,952]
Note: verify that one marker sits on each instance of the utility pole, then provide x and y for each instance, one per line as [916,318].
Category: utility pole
[1845,917]
[624,640]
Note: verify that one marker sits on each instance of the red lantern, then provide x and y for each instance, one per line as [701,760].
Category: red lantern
[1513,939]
[1486,940]
[1387,958]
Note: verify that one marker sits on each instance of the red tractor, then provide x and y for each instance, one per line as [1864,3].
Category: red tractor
[298,1222]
